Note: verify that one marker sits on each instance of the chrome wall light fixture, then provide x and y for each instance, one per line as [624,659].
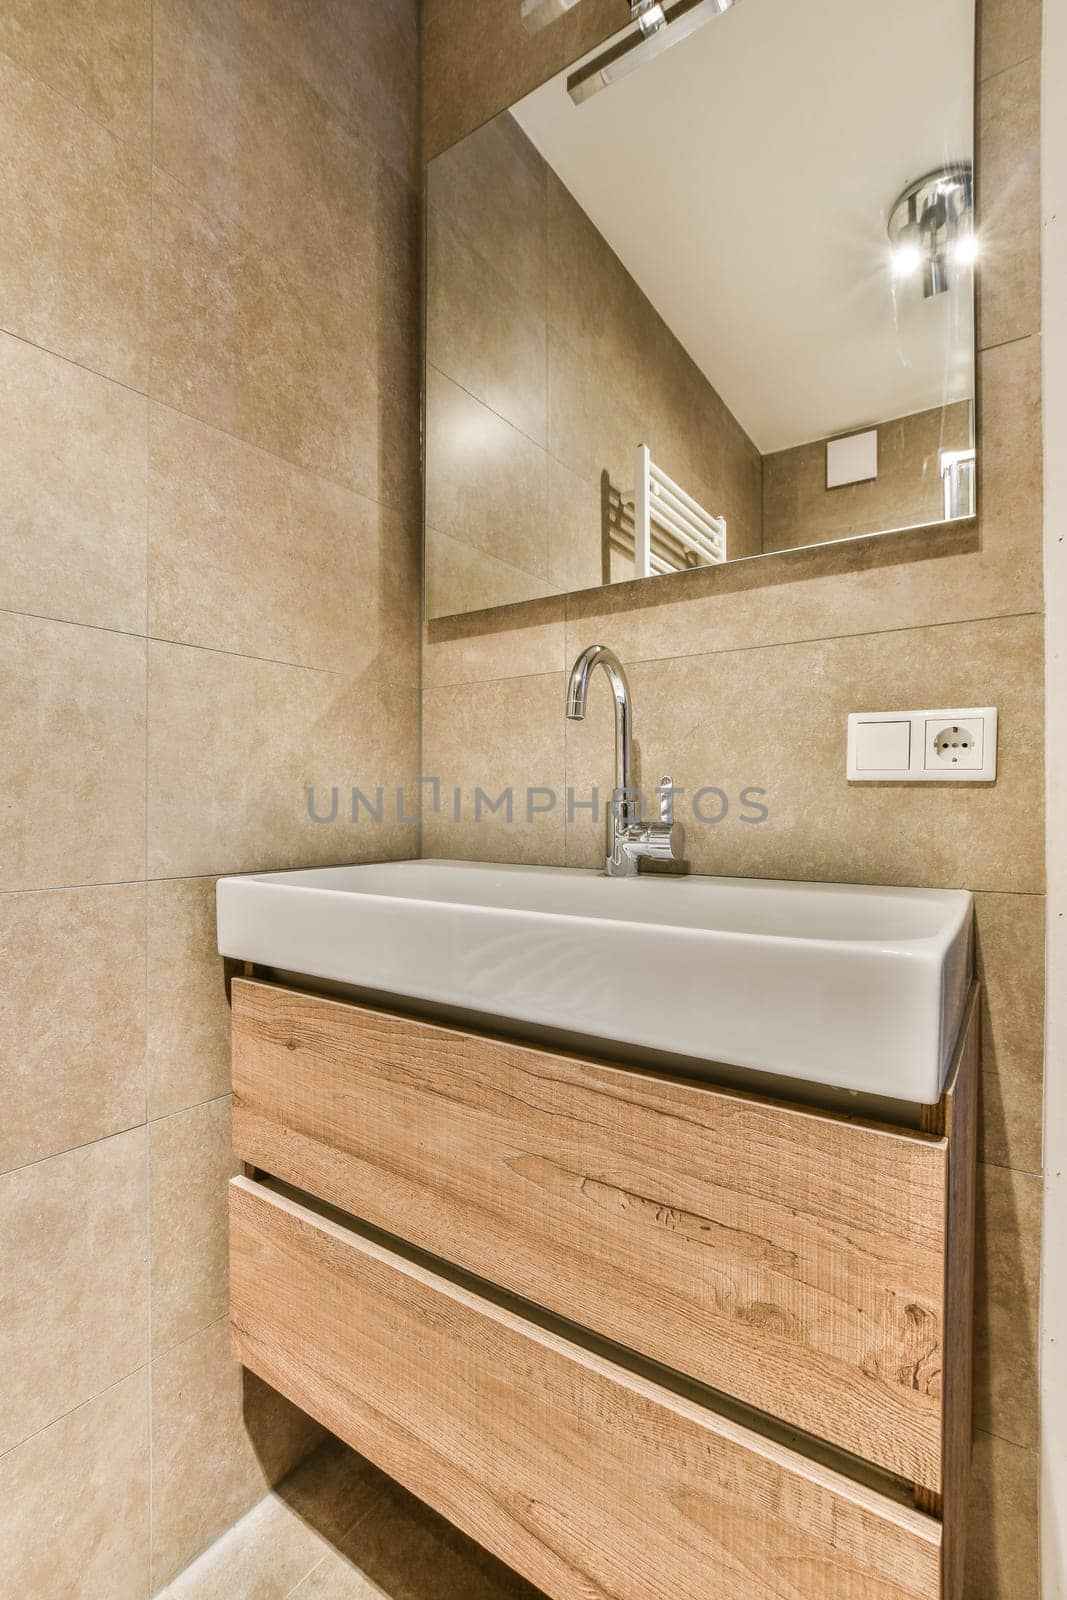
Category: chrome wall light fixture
[537,14]
[649,15]
[655,26]
[931,228]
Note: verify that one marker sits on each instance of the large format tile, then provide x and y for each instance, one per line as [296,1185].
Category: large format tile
[494,742]
[97,53]
[236,746]
[240,129]
[72,491]
[526,641]
[776,720]
[190,1161]
[1003,1539]
[1007,1273]
[188,1006]
[72,706]
[252,555]
[74,245]
[220,1438]
[485,480]
[493,187]
[1010,948]
[243,342]
[461,578]
[482,333]
[1009,31]
[74,1314]
[1009,204]
[74,1503]
[362,57]
[72,1018]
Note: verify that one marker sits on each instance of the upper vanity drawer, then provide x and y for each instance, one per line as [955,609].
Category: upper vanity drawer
[791,1259]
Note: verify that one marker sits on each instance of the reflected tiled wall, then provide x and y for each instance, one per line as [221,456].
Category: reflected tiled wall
[537,341]
[746,678]
[799,509]
[208,600]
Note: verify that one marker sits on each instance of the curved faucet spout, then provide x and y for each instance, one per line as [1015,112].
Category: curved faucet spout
[631,839]
[598,655]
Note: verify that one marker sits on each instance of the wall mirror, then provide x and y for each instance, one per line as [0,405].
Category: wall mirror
[706,295]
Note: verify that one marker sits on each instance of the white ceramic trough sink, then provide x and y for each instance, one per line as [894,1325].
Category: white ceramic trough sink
[834,984]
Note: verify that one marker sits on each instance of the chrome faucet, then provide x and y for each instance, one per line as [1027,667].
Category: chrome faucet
[631,839]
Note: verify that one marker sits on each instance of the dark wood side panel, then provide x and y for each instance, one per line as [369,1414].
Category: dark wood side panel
[790,1259]
[592,1481]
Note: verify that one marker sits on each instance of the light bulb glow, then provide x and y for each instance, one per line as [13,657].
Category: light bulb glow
[966,251]
[907,259]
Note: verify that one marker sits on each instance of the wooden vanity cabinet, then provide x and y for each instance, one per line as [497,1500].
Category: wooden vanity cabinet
[640,1336]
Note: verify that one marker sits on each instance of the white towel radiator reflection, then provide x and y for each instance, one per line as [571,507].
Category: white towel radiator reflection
[671,531]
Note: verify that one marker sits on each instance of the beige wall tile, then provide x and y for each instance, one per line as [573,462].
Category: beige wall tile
[190,1160]
[74,246]
[74,1316]
[485,480]
[248,137]
[870,586]
[97,53]
[234,745]
[244,343]
[482,333]
[1010,949]
[490,736]
[220,1438]
[461,579]
[777,720]
[252,555]
[492,185]
[74,1503]
[72,709]
[575,528]
[72,491]
[188,1008]
[1008,31]
[72,1018]
[1009,204]
[530,639]
[1007,1268]
[1002,1529]
[361,56]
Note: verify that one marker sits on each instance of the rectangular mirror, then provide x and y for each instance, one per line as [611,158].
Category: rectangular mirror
[705,296]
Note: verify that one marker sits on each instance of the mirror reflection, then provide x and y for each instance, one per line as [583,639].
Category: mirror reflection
[705,296]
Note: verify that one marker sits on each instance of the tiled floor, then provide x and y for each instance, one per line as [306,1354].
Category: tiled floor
[337,1529]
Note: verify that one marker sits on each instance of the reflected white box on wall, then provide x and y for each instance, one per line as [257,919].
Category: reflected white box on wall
[852,460]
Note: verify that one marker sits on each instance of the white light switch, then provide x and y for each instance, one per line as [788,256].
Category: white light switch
[883,746]
[923,746]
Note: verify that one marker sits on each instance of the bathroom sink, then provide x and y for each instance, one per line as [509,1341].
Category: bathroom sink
[835,984]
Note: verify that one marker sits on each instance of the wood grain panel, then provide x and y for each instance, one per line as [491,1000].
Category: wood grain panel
[961,1121]
[790,1259]
[592,1481]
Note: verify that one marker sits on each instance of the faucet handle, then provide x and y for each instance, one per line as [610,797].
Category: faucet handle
[666,798]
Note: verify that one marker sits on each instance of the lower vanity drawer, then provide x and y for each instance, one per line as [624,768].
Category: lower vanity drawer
[793,1260]
[594,1482]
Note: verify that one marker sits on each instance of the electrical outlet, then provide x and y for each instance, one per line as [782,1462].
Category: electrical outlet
[923,746]
[956,745]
